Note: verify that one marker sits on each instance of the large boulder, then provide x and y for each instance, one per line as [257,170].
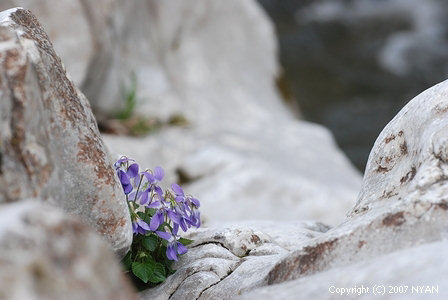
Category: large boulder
[401,216]
[226,260]
[189,62]
[50,146]
[413,273]
[68,24]
[402,202]
[243,152]
[46,254]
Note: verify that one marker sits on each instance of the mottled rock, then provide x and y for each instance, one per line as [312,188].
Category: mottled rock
[290,170]
[242,153]
[413,273]
[227,260]
[46,254]
[402,202]
[50,146]
[67,23]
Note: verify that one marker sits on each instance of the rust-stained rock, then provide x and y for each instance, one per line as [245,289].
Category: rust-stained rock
[229,259]
[412,273]
[403,199]
[50,146]
[46,254]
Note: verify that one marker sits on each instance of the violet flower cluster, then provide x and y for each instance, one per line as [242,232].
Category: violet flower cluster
[154,210]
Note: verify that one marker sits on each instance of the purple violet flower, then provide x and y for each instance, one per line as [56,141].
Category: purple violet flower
[140,227]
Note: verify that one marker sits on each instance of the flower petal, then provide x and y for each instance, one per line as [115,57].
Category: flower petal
[159,173]
[181,249]
[132,170]
[171,253]
[155,222]
[177,189]
[127,189]
[164,235]
[144,198]
[149,177]
[173,216]
[124,178]
[195,202]
[143,224]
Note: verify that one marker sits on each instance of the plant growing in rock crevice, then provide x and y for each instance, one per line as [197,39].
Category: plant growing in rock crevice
[156,217]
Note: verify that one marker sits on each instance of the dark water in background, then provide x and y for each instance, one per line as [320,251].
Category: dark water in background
[353,64]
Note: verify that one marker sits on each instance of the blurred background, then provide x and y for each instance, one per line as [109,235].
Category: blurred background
[353,64]
[229,97]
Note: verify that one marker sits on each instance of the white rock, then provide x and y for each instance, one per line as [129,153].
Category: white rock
[228,259]
[413,273]
[50,146]
[46,254]
[251,158]
[402,202]
[67,23]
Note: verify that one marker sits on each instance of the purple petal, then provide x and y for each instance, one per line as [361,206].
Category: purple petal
[144,198]
[131,196]
[155,204]
[159,173]
[155,222]
[123,159]
[173,216]
[198,218]
[164,235]
[158,190]
[134,227]
[124,178]
[127,189]
[183,225]
[177,189]
[179,199]
[132,170]
[143,224]
[141,231]
[195,202]
[175,228]
[171,253]
[149,177]
[181,249]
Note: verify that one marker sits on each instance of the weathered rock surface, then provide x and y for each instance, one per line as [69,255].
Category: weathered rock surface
[46,254]
[399,224]
[243,151]
[50,146]
[413,273]
[402,202]
[226,260]
[188,61]
[67,23]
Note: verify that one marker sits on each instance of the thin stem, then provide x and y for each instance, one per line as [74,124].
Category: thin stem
[136,193]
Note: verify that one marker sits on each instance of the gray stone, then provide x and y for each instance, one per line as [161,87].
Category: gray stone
[50,146]
[46,254]
[229,259]
[244,153]
[402,202]
[413,273]
[68,24]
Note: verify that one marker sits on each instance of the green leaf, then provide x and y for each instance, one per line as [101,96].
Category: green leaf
[127,261]
[150,242]
[185,242]
[150,211]
[144,271]
[158,274]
